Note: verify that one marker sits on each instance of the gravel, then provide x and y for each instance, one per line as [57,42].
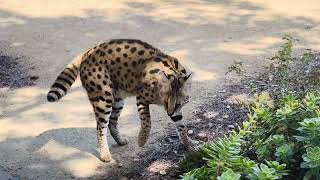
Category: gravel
[13,73]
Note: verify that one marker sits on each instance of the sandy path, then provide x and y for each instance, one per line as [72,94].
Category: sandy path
[57,141]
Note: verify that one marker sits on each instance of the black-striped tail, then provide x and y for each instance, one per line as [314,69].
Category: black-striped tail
[66,78]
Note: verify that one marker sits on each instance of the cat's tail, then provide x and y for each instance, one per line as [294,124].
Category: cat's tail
[66,78]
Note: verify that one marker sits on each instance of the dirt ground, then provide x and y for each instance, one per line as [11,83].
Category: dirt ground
[39,140]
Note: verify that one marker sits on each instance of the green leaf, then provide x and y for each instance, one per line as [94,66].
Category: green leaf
[312,158]
[284,152]
[198,174]
[309,130]
[229,175]
[280,168]
[263,172]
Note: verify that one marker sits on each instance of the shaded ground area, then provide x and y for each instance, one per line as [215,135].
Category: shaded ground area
[14,74]
[57,140]
[5,176]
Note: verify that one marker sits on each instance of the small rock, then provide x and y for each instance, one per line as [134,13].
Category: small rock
[202,137]
[228,106]
[120,165]
[136,159]
[210,125]
[163,172]
[210,114]
[212,96]
[190,132]
[231,126]
[270,77]
[219,119]
[226,116]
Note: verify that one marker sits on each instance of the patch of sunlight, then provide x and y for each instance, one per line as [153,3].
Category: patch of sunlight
[287,8]
[84,166]
[199,74]
[79,163]
[17,44]
[172,39]
[198,12]
[192,12]
[311,36]
[248,46]
[77,83]
[88,34]
[159,165]
[28,113]
[57,151]
[13,129]
[238,99]
[111,10]
[10,21]
[24,97]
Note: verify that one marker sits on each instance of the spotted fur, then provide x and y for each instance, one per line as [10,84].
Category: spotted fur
[118,68]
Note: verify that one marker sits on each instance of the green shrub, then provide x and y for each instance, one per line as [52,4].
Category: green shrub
[284,139]
[280,62]
[284,73]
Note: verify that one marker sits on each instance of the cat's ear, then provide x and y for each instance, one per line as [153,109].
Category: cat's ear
[183,79]
[187,77]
